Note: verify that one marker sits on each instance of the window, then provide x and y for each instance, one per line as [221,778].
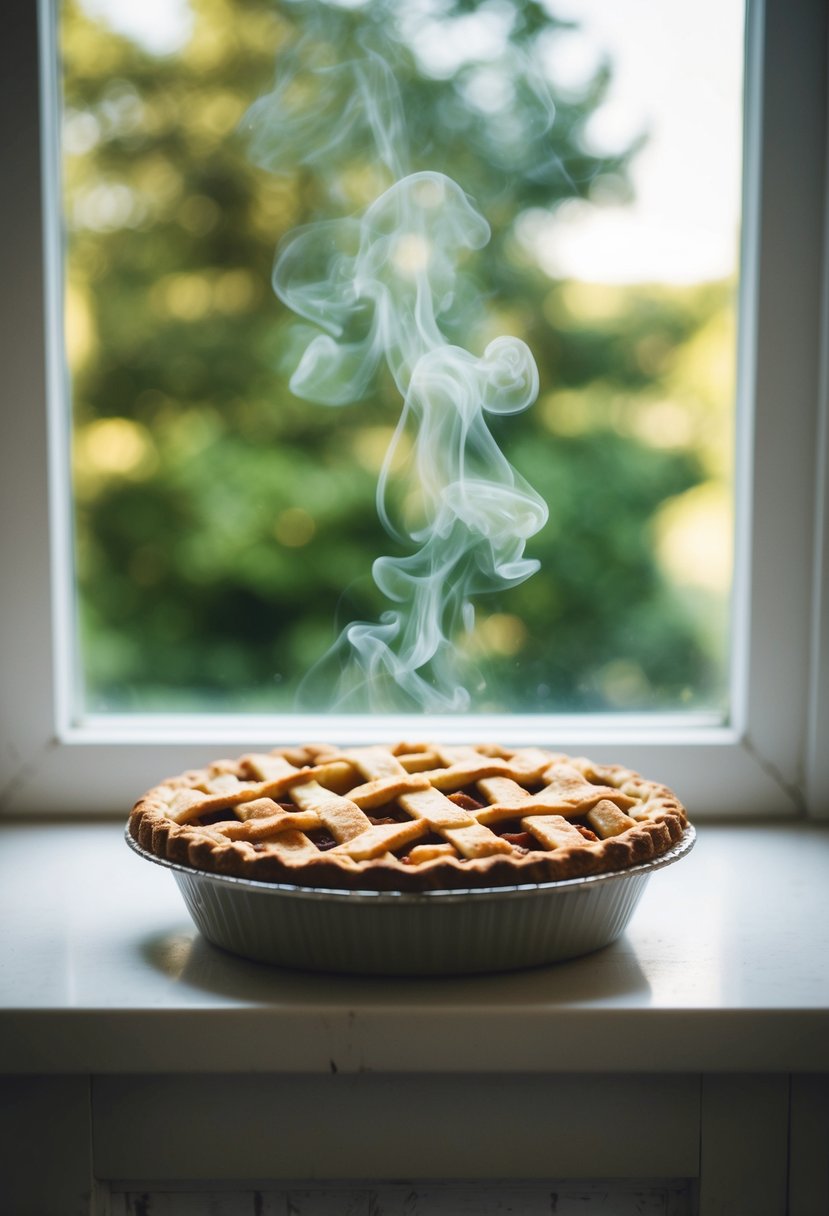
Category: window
[572,556]
[758,760]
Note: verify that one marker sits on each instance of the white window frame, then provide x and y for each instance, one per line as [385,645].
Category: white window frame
[773,756]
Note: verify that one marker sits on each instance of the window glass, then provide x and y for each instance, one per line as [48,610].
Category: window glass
[336,482]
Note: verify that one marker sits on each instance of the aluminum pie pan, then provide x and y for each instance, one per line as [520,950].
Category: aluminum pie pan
[454,932]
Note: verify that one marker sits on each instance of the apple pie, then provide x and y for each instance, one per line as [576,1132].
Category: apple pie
[408,817]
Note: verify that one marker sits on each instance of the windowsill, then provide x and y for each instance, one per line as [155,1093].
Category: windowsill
[721,969]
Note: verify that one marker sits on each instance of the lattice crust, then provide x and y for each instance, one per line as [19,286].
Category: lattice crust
[413,816]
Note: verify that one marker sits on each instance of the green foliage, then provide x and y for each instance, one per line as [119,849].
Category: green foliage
[225,529]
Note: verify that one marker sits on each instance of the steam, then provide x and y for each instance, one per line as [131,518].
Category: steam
[376,288]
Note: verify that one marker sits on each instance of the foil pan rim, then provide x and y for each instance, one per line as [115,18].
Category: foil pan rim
[231,882]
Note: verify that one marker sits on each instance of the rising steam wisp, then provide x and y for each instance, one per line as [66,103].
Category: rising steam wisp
[376,288]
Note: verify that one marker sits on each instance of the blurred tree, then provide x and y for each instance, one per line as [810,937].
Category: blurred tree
[225,529]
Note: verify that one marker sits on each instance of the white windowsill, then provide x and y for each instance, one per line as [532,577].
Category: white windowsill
[721,969]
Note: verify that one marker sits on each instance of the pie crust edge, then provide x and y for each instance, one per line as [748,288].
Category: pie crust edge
[192,845]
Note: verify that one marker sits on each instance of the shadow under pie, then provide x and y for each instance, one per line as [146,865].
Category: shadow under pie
[195,962]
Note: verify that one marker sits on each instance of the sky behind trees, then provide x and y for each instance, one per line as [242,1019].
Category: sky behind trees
[677,76]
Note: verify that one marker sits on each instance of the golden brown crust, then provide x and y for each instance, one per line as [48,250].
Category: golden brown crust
[642,819]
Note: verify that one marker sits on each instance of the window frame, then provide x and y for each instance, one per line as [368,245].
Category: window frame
[771,758]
